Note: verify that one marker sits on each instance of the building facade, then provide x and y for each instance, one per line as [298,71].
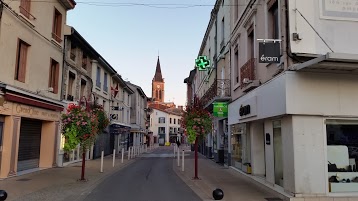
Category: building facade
[31,68]
[138,118]
[288,120]
[119,114]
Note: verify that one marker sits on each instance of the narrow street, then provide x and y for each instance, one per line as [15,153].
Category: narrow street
[150,178]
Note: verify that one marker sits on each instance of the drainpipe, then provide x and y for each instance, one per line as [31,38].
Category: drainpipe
[63,66]
[288,38]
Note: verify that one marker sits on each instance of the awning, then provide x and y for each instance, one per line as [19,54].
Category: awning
[330,62]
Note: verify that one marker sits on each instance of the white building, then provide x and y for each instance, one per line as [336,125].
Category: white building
[165,124]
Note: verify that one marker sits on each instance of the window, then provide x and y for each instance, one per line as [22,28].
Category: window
[73,52]
[161,120]
[273,25]
[57,25]
[179,121]
[25,6]
[98,78]
[174,121]
[83,88]
[175,130]
[105,87]
[161,130]
[160,95]
[84,61]
[236,65]
[104,105]
[251,43]
[71,81]
[222,33]
[170,120]
[20,71]
[54,75]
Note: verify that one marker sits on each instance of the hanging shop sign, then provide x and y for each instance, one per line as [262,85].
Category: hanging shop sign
[269,52]
[220,109]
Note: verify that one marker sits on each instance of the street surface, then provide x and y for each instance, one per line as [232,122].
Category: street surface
[151,178]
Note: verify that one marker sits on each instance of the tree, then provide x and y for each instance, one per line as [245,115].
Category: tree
[197,123]
[81,125]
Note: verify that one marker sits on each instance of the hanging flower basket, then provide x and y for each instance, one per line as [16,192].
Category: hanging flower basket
[196,121]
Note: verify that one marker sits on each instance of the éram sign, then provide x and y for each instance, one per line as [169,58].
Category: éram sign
[269,52]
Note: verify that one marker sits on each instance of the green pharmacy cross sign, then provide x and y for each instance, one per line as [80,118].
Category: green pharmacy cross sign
[220,109]
[202,63]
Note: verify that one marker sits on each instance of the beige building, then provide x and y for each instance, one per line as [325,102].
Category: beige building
[31,68]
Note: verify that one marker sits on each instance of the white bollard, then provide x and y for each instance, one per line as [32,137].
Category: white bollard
[182,162]
[122,154]
[174,151]
[178,157]
[114,157]
[102,155]
[129,153]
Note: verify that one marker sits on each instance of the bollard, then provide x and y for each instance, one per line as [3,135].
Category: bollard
[3,195]
[218,194]
[182,162]
[129,153]
[122,154]
[178,157]
[174,151]
[102,155]
[114,157]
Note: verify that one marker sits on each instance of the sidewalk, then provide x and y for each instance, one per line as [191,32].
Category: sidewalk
[61,183]
[212,176]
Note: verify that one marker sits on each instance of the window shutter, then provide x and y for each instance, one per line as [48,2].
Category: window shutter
[22,60]
[59,24]
[57,73]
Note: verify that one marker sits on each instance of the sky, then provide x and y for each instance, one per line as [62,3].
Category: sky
[130,37]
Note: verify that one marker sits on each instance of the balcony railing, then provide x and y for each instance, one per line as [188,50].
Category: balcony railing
[219,89]
[247,72]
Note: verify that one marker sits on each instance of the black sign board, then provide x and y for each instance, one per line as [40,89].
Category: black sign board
[269,52]
[245,110]
[116,129]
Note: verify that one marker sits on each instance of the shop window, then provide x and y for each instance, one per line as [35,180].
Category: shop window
[342,155]
[240,143]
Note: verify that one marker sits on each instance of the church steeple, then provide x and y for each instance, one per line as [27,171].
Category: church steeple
[158,73]
[158,84]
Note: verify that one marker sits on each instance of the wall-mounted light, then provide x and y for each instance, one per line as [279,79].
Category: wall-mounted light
[2,98]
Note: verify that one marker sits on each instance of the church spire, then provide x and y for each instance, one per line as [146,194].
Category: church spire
[158,73]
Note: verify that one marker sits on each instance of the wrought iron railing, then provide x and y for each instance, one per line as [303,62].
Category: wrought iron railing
[220,88]
[247,71]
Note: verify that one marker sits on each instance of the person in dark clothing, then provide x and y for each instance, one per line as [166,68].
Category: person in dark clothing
[178,143]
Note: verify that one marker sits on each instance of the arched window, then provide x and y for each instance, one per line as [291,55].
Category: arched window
[160,94]
[157,94]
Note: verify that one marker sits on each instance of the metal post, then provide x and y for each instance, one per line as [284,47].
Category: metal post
[178,156]
[114,157]
[129,153]
[122,154]
[102,155]
[182,162]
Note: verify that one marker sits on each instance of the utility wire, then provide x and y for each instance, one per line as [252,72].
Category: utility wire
[314,30]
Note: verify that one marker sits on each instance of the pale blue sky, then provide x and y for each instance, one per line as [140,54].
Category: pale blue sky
[129,38]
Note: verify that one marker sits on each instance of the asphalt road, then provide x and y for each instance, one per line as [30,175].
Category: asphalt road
[150,178]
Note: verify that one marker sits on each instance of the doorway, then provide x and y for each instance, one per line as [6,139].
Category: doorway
[277,142]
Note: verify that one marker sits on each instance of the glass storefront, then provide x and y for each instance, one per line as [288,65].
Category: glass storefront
[342,155]
[240,147]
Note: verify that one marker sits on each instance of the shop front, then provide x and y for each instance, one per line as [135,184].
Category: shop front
[121,133]
[29,128]
[298,140]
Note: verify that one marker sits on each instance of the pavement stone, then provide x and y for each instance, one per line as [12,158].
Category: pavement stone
[57,184]
[212,176]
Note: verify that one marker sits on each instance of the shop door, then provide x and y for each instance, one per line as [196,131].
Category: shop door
[29,144]
[277,140]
